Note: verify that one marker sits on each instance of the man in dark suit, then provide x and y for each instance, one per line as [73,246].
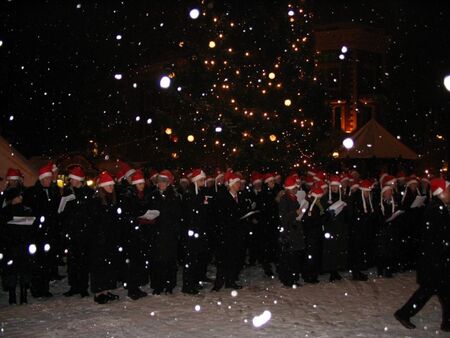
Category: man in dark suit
[433,268]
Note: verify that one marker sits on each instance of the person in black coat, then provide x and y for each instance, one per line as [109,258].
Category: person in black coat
[387,232]
[136,235]
[361,220]
[43,199]
[105,249]
[75,223]
[433,268]
[13,179]
[165,235]
[194,234]
[410,225]
[291,237]
[17,246]
[313,225]
[231,207]
[335,241]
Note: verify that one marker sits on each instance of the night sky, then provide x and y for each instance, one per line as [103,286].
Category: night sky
[59,60]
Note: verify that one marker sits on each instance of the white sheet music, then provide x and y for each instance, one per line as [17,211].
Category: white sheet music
[64,200]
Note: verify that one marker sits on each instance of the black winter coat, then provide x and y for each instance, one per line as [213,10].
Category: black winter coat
[165,232]
[433,268]
[105,247]
[291,231]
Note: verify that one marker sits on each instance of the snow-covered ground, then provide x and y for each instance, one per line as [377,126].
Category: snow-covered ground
[342,309]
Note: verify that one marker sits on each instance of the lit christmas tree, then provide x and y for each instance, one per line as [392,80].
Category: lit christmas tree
[244,94]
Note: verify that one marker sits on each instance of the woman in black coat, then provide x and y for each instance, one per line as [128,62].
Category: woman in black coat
[361,220]
[75,223]
[387,233]
[135,233]
[165,234]
[17,246]
[291,237]
[105,249]
[433,268]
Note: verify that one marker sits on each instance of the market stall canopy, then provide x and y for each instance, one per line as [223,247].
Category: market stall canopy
[373,140]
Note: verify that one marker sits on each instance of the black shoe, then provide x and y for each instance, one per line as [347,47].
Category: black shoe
[445,327]
[12,296]
[142,293]
[335,276]
[190,291]
[404,321]
[70,293]
[101,299]
[359,276]
[136,294]
[169,291]
[23,295]
[233,286]
[156,292]
[84,293]
[112,296]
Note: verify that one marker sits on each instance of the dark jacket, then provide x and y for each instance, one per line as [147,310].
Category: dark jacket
[291,231]
[165,232]
[433,268]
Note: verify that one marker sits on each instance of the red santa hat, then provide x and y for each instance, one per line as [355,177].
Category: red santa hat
[335,180]
[309,181]
[166,175]
[438,186]
[322,184]
[104,179]
[268,177]
[290,183]
[382,176]
[126,169]
[388,182]
[344,178]
[46,171]
[316,192]
[13,174]
[138,177]
[231,178]
[365,185]
[197,174]
[256,177]
[77,173]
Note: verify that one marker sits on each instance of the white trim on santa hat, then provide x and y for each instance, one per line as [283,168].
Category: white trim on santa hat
[46,174]
[129,173]
[75,177]
[233,181]
[140,180]
[13,178]
[198,177]
[104,184]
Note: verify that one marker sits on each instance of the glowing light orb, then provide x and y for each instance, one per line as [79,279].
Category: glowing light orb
[190,138]
[447,82]
[212,44]
[271,75]
[164,82]
[32,249]
[118,76]
[348,143]
[194,13]
[344,49]
[168,131]
[291,13]
[218,129]
[273,137]
[287,102]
